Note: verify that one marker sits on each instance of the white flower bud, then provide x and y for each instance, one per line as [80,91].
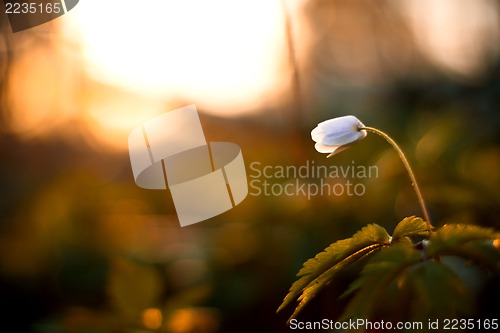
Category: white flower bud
[337,134]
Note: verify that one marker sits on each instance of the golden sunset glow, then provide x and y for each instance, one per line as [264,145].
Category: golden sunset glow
[455,34]
[222,55]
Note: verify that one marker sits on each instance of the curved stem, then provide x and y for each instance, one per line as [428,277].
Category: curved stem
[408,169]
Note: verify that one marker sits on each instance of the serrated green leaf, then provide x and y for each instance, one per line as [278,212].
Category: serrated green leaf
[410,227]
[438,292]
[452,237]
[382,269]
[341,250]
[483,253]
[404,242]
[321,281]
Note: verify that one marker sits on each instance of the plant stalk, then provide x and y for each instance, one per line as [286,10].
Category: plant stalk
[408,169]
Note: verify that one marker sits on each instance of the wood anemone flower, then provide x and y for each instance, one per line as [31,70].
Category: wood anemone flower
[337,134]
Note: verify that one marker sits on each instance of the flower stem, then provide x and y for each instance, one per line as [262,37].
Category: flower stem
[408,169]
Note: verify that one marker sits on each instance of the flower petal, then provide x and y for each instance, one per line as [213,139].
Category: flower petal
[337,134]
[340,138]
[340,149]
[344,122]
[362,133]
[337,131]
[321,148]
[317,134]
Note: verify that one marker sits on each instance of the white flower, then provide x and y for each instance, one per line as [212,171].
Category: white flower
[337,134]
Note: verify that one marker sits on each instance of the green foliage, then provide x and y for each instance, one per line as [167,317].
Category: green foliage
[438,292]
[452,237]
[414,288]
[382,269]
[320,270]
[404,270]
[410,227]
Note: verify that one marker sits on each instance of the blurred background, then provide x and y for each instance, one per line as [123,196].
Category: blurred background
[83,249]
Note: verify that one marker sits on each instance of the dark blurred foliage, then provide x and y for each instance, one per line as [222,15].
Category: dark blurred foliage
[83,249]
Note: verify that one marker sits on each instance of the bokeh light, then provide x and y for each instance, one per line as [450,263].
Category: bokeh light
[224,55]
[460,36]
[152,318]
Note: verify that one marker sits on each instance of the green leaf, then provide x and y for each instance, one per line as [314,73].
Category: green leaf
[321,281]
[382,269]
[438,292]
[451,238]
[484,253]
[335,258]
[410,227]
